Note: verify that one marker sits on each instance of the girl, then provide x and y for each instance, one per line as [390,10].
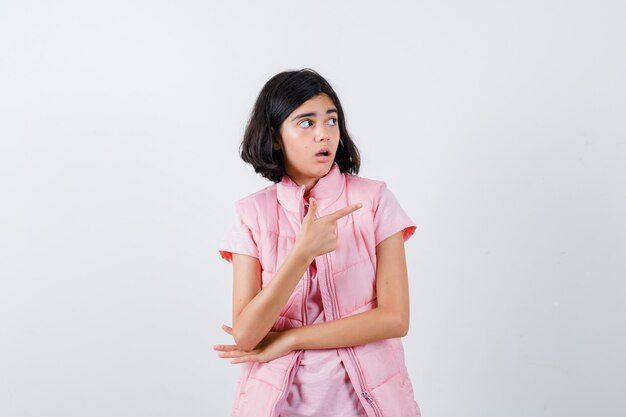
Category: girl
[320,291]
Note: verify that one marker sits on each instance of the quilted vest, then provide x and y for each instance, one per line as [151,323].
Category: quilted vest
[347,280]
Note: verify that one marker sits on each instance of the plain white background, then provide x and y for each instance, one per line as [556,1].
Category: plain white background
[499,126]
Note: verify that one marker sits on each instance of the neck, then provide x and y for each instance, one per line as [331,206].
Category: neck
[308,185]
[308,182]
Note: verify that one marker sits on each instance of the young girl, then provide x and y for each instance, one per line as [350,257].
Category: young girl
[320,291]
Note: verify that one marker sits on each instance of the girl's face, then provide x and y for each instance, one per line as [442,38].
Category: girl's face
[311,128]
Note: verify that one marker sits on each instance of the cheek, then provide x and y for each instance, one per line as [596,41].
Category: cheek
[298,150]
[301,148]
[297,144]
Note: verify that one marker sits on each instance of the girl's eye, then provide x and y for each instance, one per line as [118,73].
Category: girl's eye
[334,122]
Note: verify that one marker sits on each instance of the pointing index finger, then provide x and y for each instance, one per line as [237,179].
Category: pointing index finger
[344,211]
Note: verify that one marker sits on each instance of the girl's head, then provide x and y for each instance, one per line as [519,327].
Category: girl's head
[297,114]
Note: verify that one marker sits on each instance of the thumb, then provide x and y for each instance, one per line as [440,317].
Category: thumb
[310,215]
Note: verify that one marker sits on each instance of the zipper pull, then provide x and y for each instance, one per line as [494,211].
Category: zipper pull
[367,396]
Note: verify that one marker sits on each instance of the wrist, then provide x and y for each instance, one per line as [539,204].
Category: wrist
[292,338]
[302,255]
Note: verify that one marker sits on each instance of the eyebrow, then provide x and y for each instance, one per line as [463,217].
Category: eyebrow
[313,114]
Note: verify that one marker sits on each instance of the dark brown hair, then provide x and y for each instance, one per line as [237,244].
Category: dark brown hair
[279,97]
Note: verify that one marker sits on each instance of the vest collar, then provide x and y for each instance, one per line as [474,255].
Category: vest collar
[326,191]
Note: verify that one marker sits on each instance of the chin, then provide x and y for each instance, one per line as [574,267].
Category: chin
[326,168]
[319,172]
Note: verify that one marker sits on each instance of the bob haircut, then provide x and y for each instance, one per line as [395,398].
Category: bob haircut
[280,96]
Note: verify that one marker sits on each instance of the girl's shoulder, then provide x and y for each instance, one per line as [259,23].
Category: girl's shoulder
[364,181]
[375,192]
[265,191]
[365,186]
[249,204]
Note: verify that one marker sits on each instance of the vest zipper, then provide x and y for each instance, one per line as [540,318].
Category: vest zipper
[284,389]
[305,291]
[364,392]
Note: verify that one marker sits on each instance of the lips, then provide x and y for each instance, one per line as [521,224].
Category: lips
[323,152]
[323,156]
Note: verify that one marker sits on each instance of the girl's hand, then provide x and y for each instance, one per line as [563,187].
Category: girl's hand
[319,236]
[274,345]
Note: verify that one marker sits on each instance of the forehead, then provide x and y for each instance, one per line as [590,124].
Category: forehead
[319,103]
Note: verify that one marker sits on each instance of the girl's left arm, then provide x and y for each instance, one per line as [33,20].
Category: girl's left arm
[388,320]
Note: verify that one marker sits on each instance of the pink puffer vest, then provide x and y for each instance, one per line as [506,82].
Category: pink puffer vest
[271,219]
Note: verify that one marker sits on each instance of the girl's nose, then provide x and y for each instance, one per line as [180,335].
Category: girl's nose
[322,133]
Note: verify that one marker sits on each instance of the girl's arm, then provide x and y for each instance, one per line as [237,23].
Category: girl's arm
[389,319]
[254,309]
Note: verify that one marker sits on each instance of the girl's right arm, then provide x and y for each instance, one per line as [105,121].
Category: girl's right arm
[256,309]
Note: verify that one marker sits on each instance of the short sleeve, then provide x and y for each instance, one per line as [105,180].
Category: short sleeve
[238,240]
[390,218]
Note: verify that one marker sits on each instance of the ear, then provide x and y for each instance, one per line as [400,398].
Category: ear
[276,145]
